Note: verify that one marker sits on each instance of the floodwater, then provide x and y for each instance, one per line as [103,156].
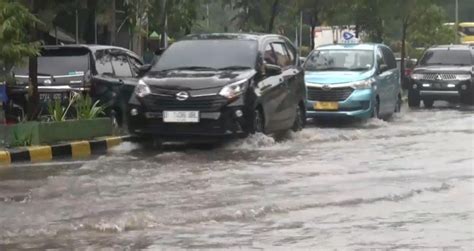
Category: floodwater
[406,184]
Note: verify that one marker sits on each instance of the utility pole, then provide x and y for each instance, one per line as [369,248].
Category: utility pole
[163,42]
[456,25]
[113,24]
[301,31]
[77,27]
[33,95]
[207,13]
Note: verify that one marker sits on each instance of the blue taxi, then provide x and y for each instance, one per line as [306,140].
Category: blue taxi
[352,80]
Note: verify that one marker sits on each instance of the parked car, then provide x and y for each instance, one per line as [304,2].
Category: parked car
[443,73]
[352,80]
[107,73]
[409,65]
[217,85]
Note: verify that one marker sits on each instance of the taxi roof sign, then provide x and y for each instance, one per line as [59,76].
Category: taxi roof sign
[349,38]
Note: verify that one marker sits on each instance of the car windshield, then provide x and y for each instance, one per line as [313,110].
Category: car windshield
[446,57]
[58,62]
[340,60]
[469,31]
[208,54]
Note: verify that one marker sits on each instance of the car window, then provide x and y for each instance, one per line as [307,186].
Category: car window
[446,57]
[103,63]
[291,52]
[269,56]
[121,66]
[59,62]
[135,64]
[380,59]
[281,54]
[389,59]
[340,60]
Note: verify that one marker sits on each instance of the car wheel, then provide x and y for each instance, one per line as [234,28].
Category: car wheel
[258,122]
[398,106]
[376,111]
[468,98]
[428,103]
[413,99]
[300,119]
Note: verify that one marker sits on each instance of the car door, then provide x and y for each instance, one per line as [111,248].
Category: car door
[289,80]
[383,83]
[393,78]
[297,87]
[273,93]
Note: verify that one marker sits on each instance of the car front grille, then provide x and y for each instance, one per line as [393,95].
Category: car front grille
[333,94]
[170,103]
[436,76]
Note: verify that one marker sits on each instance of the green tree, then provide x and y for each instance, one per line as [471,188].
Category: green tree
[15,19]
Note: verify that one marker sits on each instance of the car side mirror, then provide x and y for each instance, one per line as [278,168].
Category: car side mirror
[302,60]
[383,68]
[272,70]
[144,69]
[160,51]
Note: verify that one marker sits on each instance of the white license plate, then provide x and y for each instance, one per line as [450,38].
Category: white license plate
[181,116]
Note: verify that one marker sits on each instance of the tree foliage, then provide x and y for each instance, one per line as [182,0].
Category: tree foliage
[15,19]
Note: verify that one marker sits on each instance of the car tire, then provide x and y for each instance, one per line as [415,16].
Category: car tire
[376,111]
[468,98]
[413,99]
[258,125]
[300,119]
[428,103]
[398,105]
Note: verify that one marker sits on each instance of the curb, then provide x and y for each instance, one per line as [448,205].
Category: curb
[74,150]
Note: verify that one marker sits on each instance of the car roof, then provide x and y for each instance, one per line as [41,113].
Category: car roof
[451,47]
[363,46]
[92,47]
[232,36]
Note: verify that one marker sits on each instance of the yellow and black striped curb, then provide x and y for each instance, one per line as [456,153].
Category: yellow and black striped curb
[74,150]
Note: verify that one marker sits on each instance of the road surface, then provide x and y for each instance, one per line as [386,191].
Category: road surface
[403,184]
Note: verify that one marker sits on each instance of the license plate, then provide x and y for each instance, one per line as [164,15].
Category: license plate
[326,106]
[45,97]
[181,116]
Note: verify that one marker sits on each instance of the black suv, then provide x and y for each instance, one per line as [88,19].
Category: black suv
[107,73]
[221,85]
[443,73]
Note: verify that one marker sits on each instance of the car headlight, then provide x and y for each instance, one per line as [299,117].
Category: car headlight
[142,89]
[234,90]
[364,84]
[416,76]
[462,77]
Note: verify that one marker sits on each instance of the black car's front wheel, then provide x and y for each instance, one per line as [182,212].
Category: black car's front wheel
[258,125]
[468,98]
[300,119]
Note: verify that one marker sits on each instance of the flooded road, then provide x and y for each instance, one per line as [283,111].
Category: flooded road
[403,184]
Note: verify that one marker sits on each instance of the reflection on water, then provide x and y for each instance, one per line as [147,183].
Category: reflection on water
[406,183]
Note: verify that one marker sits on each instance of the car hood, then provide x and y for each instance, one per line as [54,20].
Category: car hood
[443,69]
[196,80]
[335,77]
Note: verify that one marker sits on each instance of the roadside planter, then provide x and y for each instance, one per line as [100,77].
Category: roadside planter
[43,133]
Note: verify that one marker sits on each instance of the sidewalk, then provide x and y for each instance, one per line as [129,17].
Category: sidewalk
[73,150]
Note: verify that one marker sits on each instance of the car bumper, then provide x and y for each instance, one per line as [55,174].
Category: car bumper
[442,91]
[358,105]
[223,123]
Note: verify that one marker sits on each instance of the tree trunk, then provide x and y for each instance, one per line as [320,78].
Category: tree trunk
[33,95]
[273,16]
[91,20]
[403,54]
[313,27]
[163,42]
[113,24]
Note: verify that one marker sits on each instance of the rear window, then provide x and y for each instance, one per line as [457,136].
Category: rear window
[446,57]
[59,62]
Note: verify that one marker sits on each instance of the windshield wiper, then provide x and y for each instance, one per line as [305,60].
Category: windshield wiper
[192,68]
[334,69]
[359,69]
[235,67]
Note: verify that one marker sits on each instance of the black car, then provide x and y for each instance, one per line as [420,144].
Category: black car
[221,85]
[107,73]
[443,73]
